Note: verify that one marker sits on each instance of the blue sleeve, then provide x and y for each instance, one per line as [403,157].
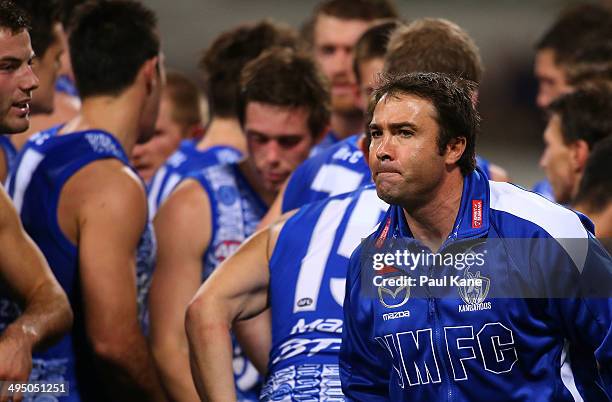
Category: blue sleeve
[584,309]
[363,371]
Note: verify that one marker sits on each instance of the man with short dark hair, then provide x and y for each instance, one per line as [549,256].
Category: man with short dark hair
[216,208]
[331,34]
[86,208]
[224,140]
[575,28]
[48,44]
[594,196]
[467,285]
[578,121]
[35,310]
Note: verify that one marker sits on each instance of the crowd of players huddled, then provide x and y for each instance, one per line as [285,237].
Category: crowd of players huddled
[129,187]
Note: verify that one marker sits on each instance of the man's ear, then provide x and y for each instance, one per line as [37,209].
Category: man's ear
[455,149]
[151,72]
[579,154]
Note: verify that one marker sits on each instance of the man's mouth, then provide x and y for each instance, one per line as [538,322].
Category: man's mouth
[22,106]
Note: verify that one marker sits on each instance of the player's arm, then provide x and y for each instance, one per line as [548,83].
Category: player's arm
[237,290]
[182,227]
[46,311]
[110,221]
[362,372]
[255,338]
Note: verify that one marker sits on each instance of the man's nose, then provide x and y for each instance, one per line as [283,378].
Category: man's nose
[29,81]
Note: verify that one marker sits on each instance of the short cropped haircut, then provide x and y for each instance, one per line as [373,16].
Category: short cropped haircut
[363,10]
[223,61]
[434,45]
[576,27]
[585,114]
[595,189]
[12,17]
[287,78]
[451,97]
[373,44]
[110,40]
[44,14]
[185,98]
[590,63]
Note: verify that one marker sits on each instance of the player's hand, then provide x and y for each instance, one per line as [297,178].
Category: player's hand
[15,362]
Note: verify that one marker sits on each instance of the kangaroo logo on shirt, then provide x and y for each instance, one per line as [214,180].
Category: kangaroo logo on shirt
[474,292]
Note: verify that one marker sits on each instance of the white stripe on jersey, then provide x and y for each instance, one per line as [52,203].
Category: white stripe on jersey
[559,222]
[29,162]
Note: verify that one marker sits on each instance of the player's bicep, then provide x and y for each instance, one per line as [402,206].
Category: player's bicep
[111,222]
[182,227]
[22,265]
[241,282]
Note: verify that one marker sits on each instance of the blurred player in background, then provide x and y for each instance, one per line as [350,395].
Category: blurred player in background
[47,36]
[575,28]
[578,121]
[35,310]
[180,119]
[594,196]
[86,208]
[331,35]
[214,210]
[224,141]
[569,53]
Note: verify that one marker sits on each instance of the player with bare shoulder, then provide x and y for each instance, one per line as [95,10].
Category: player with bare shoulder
[86,208]
[216,208]
[34,310]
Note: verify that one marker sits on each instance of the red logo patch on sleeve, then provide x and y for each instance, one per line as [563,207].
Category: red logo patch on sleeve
[476,214]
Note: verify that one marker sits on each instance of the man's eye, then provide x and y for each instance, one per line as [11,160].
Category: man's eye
[327,50]
[406,133]
[375,133]
[8,66]
[288,142]
[259,139]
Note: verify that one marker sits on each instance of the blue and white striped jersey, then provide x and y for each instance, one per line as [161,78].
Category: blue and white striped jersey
[186,159]
[307,280]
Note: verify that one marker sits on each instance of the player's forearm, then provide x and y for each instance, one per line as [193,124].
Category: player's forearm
[46,317]
[127,365]
[255,338]
[210,351]
[173,366]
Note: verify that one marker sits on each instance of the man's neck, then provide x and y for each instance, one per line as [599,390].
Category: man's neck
[251,176]
[119,116]
[346,124]
[223,131]
[432,220]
